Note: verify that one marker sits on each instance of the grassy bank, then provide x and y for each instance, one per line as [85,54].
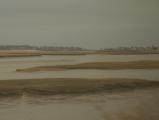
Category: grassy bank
[71,86]
[97,65]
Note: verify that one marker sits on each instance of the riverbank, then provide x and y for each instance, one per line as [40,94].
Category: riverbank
[97,65]
[19,53]
[61,86]
[27,53]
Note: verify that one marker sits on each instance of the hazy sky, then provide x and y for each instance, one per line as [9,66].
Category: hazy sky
[85,23]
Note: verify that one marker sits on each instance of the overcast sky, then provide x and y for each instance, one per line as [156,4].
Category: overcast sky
[84,23]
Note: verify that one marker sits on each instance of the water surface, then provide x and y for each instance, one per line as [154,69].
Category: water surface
[128,105]
[8,67]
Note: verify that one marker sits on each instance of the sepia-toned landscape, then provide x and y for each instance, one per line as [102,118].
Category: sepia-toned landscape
[79,60]
[85,86]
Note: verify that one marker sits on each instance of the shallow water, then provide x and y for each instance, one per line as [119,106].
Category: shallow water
[82,58]
[140,74]
[9,65]
[128,105]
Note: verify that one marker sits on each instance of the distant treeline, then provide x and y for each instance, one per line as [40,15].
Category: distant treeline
[140,49]
[61,48]
[45,48]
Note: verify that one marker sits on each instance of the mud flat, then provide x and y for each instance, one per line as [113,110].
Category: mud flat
[19,53]
[27,53]
[23,53]
[61,86]
[97,65]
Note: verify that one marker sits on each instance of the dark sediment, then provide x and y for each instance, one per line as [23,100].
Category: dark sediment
[71,86]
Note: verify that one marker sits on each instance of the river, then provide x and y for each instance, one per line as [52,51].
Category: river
[8,67]
[128,105]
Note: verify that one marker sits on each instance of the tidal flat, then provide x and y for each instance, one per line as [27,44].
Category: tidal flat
[97,65]
[79,94]
[136,104]
[54,86]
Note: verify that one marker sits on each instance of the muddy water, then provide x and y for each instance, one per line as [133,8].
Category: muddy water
[140,74]
[9,65]
[130,105]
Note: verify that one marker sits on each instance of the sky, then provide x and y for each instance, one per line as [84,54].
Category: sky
[84,23]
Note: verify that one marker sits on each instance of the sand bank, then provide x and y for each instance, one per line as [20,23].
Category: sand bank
[53,86]
[97,65]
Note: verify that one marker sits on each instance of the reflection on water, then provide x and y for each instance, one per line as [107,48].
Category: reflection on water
[134,105]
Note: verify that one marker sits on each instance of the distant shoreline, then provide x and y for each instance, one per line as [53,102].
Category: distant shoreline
[29,53]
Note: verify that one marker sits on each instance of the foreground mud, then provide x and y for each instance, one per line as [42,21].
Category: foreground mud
[71,86]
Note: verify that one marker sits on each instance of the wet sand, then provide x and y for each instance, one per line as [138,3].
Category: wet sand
[139,104]
[19,53]
[27,53]
[42,96]
[62,86]
[97,65]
